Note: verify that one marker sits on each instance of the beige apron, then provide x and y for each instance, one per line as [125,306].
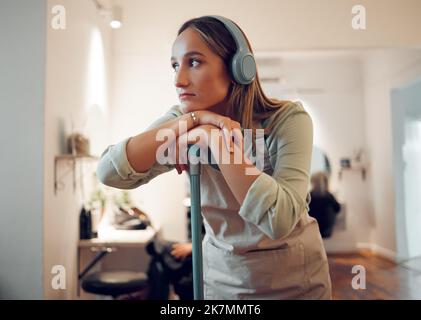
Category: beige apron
[296,269]
[240,262]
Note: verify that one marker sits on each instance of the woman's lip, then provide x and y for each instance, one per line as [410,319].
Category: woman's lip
[185,95]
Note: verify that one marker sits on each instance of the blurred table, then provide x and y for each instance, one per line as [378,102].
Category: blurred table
[110,240]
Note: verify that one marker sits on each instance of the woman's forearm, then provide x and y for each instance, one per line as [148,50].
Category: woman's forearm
[141,149]
[239,173]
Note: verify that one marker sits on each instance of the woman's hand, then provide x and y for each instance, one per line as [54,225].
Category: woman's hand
[200,135]
[226,124]
[181,250]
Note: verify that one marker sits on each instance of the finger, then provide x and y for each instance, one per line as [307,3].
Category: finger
[172,156]
[223,125]
[236,125]
[177,152]
[183,150]
[181,159]
[226,139]
[235,132]
[180,155]
[229,137]
[175,159]
[237,136]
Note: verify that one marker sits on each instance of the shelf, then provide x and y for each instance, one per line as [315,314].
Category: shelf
[359,168]
[72,159]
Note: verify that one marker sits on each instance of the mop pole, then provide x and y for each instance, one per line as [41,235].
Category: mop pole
[196,221]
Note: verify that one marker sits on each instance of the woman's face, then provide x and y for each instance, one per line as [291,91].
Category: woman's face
[199,72]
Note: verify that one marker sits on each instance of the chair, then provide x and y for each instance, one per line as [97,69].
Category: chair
[115,283]
[112,283]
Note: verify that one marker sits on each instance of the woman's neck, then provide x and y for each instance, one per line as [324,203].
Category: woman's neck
[220,108]
[223,110]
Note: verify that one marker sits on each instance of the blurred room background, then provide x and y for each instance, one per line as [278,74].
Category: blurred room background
[107,82]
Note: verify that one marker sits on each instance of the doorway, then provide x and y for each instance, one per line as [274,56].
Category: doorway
[406,124]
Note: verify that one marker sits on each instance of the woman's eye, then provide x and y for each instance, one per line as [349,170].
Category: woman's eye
[194,60]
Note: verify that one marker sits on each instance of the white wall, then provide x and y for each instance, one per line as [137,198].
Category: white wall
[22,74]
[383,71]
[77,89]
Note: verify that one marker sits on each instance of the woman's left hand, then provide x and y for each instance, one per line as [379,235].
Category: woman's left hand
[207,136]
[225,123]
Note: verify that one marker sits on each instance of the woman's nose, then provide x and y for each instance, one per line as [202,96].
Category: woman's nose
[181,78]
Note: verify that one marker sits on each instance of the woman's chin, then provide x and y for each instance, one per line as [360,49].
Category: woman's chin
[186,107]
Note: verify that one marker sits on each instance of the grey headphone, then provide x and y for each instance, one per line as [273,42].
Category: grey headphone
[243,66]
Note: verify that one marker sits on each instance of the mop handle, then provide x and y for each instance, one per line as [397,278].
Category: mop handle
[196,221]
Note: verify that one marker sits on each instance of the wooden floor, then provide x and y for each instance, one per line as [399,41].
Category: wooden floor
[384,279]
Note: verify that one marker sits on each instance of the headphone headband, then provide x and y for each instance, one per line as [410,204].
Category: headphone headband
[243,65]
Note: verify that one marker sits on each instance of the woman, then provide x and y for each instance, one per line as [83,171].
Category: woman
[260,242]
[323,206]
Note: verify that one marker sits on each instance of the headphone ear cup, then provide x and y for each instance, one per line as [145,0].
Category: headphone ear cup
[248,67]
[243,68]
[235,68]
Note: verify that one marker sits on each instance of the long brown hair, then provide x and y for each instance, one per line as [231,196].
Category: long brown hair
[320,183]
[247,103]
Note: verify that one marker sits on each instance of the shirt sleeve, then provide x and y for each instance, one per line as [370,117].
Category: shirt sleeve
[275,203]
[114,169]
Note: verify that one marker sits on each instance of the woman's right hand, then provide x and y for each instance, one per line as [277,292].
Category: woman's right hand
[200,135]
[226,124]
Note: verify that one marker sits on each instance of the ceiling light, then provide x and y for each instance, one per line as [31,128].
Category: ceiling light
[116,17]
